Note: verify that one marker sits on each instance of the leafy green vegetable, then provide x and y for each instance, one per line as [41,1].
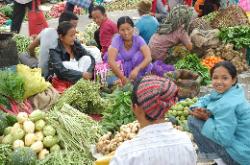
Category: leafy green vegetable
[22,42]
[7,10]
[84,96]
[118,112]
[5,151]
[192,62]
[210,16]
[4,101]
[239,36]
[11,85]
[66,158]
[23,156]
[3,122]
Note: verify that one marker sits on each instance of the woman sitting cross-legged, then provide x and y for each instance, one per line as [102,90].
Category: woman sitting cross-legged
[131,50]
[69,60]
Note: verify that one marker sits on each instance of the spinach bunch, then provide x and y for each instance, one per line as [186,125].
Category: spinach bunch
[239,36]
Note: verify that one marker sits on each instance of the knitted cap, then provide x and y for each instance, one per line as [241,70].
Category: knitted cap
[144,6]
[156,95]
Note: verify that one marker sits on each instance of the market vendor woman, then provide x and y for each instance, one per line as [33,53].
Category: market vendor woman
[131,50]
[221,121]
[171,32]
[69,60]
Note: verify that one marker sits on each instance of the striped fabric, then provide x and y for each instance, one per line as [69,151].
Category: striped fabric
[156,95]
[156,144]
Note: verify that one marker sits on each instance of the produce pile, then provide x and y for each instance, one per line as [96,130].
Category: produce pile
[59,8]
[192,62]
[6,10]
[121,5]
[210,61]
[12,85]
[84,96]
[87,36]
[239,36]
[32,131]
[22,42]
[118,112]
[109,142]
[227,52]
[179,112]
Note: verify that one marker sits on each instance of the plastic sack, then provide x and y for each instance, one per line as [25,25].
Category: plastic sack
[34,83]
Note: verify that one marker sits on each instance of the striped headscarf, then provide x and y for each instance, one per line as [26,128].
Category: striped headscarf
[155,95]
[178,16]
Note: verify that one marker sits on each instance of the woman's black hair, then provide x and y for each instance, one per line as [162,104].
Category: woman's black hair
[64,27]
[123,20]
[67,16]
[100,8]
[227,65]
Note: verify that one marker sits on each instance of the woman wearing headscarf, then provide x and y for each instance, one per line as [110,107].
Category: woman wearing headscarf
[157,142]
[171,32]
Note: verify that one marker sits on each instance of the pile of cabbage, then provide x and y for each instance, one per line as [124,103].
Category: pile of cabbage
[32,131]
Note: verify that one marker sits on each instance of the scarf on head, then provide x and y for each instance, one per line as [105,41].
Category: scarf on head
[178,16]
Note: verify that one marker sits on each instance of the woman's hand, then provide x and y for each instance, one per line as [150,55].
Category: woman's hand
[87,75]
[200,113]
[134,73]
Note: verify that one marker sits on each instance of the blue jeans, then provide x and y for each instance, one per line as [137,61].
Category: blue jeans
[207,146]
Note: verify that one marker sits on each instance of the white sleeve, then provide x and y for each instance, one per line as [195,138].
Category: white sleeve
[84,63]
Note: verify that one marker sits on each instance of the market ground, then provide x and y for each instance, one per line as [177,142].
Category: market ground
[84,20]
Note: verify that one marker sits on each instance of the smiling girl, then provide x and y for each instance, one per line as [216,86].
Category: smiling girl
[221,120]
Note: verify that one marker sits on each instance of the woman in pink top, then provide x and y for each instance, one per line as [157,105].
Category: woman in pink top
[172,32]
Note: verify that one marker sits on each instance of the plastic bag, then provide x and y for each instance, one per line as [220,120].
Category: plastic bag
[34,83]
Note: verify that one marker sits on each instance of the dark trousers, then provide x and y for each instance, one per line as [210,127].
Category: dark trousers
[19,11]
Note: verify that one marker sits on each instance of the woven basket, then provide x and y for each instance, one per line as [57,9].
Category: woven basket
[8,50]
[230,17]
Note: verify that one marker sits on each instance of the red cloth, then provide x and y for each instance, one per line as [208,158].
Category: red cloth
[107,30]
[189,2]
[154,4]
[60,85]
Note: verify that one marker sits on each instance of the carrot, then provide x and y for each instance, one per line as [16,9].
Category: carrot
[210,61]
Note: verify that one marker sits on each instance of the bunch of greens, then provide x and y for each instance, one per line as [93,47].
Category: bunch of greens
[239,36]
[75,130]
[4,101]
[11,85]
[210,16]
[5,152]
[118,111]
[65,158]
[22,42]
[192,62]
[7,10]
[84,96]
